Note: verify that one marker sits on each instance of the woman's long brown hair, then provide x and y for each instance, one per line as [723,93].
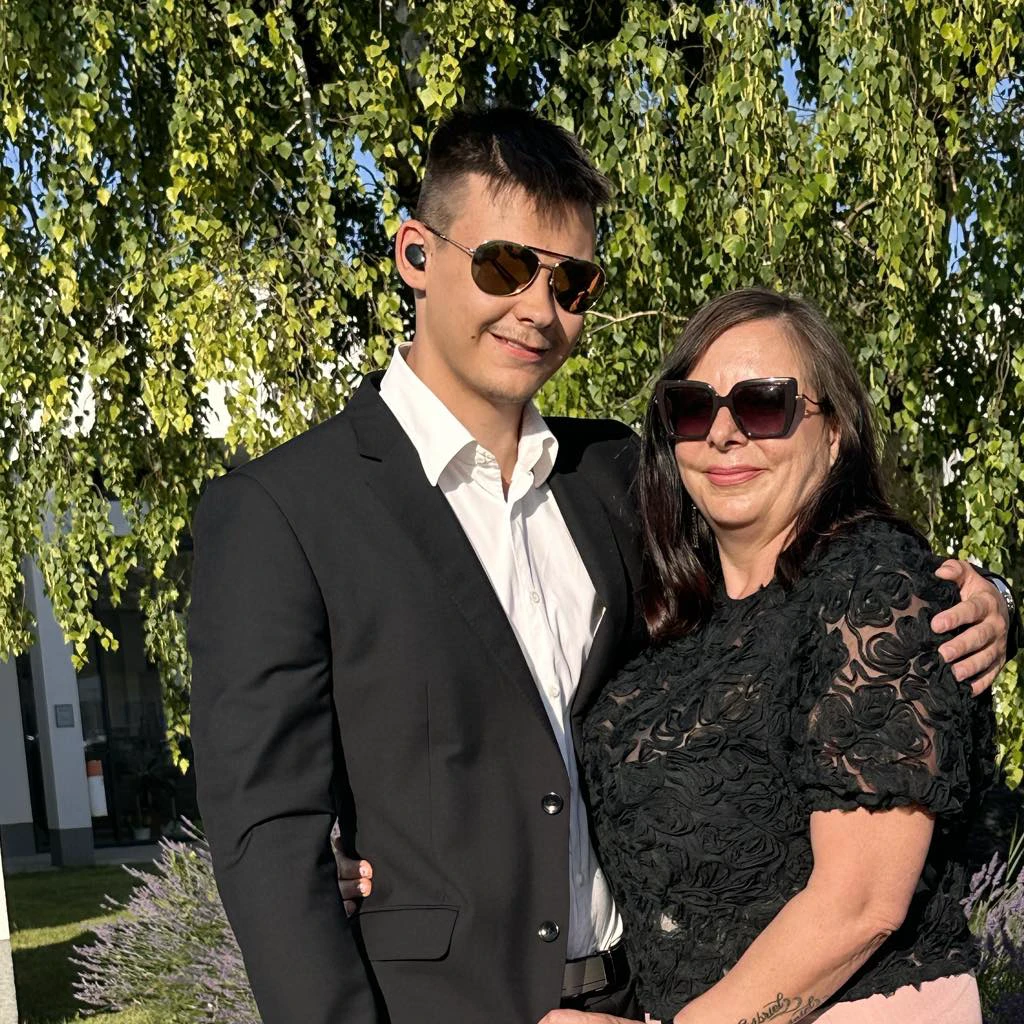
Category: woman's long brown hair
[681,559]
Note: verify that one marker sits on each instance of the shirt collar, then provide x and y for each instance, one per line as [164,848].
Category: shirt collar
[538,447]
[439,437]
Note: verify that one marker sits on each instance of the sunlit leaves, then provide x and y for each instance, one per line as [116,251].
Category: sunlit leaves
[197,201]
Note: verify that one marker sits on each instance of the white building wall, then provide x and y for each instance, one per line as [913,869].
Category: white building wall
[60,732]
[16,831]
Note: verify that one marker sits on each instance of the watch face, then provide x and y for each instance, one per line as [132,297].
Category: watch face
[1004,588]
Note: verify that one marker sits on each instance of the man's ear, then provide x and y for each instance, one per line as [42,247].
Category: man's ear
[411,254]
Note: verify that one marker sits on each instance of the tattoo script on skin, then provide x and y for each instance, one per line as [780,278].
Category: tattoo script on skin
[797,1007]
[781,1007]
[809,1007]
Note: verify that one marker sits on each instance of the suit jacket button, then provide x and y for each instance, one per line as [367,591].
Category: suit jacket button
[548,931]
[552,803]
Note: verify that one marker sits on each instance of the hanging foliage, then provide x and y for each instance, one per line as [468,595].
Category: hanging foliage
[196,202]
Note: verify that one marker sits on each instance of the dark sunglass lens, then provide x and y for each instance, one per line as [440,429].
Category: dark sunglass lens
[761,409]
[689,411]
[577,284]
[501,268]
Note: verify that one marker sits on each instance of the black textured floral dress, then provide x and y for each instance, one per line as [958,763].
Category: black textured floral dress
[705,757]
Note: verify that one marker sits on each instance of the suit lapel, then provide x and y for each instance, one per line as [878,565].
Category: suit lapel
[589,524]
[394,473]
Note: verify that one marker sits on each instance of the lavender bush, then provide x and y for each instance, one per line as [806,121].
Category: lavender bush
[172,949]
[995,909]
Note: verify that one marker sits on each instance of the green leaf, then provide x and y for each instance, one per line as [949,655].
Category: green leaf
[214,227]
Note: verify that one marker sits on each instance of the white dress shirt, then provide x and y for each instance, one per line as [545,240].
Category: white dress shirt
[530,558]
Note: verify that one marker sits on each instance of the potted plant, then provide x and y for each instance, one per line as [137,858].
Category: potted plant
[154,798]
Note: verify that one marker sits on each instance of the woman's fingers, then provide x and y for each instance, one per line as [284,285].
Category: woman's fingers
[355,879]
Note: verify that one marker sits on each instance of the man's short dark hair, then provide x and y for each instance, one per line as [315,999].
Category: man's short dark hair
[512,148]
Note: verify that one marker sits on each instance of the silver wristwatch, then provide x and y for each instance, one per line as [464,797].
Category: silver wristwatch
[1003,587]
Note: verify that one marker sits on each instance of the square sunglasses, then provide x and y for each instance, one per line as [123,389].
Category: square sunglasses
[762,408]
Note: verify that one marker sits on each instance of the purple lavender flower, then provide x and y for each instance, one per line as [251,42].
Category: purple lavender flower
[995,909]
[172,948]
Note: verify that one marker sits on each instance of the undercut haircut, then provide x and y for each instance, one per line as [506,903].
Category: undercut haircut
[511,148]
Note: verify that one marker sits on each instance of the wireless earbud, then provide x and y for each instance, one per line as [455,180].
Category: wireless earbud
[416,256]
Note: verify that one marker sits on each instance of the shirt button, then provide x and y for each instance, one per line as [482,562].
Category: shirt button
[579,878]
[552,803]
[548,931]
[554,692]
[534,597]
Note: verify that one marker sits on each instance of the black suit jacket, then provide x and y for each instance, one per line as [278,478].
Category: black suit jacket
[351,659]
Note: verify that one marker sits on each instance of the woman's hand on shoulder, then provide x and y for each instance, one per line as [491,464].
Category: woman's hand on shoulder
[979,652]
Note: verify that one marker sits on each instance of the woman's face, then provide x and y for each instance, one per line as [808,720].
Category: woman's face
[753,490]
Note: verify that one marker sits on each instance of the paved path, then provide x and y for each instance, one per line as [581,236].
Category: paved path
[8,1003]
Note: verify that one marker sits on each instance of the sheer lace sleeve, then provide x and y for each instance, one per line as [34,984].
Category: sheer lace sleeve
[704,757]
[882,721]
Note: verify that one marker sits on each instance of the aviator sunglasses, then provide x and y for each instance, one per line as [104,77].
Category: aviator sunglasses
[762,408]
[508,268]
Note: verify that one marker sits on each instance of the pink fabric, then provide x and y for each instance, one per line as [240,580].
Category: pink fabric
[952,1000]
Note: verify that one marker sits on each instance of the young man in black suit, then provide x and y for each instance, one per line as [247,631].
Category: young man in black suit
[398,617]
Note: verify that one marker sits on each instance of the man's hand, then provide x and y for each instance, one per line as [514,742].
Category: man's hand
[978,653]
[355,877]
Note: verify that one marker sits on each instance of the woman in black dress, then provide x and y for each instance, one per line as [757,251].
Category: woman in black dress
[779,788]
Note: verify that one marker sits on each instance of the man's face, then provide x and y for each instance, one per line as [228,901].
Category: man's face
[473,349]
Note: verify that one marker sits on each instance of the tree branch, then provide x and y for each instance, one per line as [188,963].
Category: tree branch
[611,321]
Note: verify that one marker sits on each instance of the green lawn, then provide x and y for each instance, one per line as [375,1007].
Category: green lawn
[50,912]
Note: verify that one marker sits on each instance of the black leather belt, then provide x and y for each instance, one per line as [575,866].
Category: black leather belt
[595,973]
